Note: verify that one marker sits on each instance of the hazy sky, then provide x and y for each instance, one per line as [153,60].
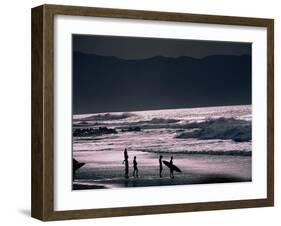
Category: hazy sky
[130,74]
[140,48]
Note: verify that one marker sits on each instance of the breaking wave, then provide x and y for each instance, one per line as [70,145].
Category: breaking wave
[221,128]
[108,116]
[163,120]
[159,121]
[205,152]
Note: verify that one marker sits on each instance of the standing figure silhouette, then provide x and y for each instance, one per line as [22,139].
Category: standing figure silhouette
[126,157]
[171,168]
[136,171]
[160,165]
[125,154]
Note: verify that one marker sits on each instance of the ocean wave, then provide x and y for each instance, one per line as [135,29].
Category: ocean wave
[220,128]
[161,120]
[204,152]
[155,122]
[107,116]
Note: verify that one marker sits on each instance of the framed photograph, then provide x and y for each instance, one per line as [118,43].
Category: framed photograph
[141,112]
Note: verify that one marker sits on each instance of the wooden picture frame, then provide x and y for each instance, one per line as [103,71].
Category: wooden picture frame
[43,112]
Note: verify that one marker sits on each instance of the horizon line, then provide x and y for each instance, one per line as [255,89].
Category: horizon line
[170,57]
[212,106]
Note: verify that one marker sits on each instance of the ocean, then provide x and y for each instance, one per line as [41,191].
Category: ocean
[209,144]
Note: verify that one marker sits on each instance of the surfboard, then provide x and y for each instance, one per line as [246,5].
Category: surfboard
[77,165]
[174,167]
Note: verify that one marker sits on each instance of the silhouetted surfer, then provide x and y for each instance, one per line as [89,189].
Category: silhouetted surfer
[126,157]
[75,166]
[136,171]
[125,154]
[160,166]
[127,168]
[171,168]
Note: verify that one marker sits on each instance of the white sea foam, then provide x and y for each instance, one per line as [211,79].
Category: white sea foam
[212,130]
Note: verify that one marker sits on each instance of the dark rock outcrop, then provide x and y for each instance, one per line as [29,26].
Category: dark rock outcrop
[93,131]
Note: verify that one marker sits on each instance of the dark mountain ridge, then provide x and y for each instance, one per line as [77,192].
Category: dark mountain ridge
[107,83]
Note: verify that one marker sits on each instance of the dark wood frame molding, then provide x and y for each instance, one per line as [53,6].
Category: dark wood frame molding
[42,203]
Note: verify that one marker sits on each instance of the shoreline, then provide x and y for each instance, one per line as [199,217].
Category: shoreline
[196,169]
[142,182]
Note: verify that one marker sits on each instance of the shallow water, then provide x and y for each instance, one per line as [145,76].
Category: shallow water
[196,169]
[203,141]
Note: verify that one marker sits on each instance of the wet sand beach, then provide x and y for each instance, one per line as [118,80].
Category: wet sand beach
[209,145]
[102,170]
